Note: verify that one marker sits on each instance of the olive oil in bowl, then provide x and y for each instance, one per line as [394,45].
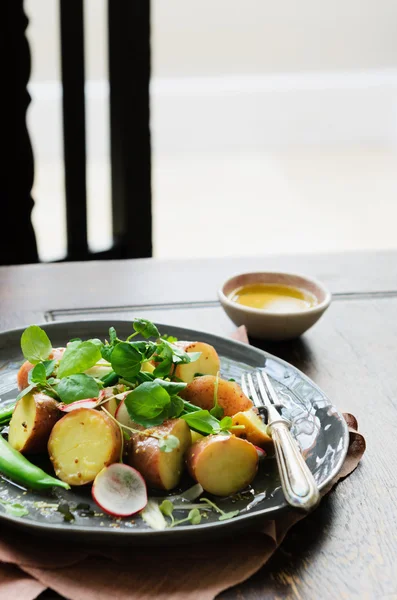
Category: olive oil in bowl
[275,298]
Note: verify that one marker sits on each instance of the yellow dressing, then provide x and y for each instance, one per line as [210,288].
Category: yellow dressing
[274,297]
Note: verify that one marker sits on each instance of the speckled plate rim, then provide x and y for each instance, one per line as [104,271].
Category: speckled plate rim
[168,535]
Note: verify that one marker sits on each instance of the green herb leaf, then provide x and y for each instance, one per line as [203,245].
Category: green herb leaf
[77,358]
[49,366]
[147,404]
[38,374]
[106,352]
[167,508]
[202,421]
[172,387]
[169,338]
[223,515]
[35,344]
[146,328]
[26,391]
[97,342]
[179,356]
[112,335]
[176,407]
[229,515]
[164,357]
[168,443]
[126,360]
[226,423]
[14,509]
[64,509]
[77,387]
[194,516]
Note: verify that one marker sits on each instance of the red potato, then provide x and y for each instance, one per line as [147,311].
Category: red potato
[161,470]
[22,375]
[230,395]
[222,465]
[207,364]
[82,443]
[32,421]
[255,431]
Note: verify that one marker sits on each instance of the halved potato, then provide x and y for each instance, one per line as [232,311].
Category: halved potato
[162,470]
[207,364]
[82,443]
[230,395]
[255,431]
[22,375]
[222,465]
[32,421]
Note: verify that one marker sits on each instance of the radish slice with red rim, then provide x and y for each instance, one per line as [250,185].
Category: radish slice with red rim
[120,490]
[261,452]
[86,403]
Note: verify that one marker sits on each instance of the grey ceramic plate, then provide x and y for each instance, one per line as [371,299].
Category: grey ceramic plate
[318,426]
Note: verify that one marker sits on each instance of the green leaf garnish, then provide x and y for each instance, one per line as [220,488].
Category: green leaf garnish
[64,509]
[223,515]
[164,359]
[78,357]
[35,344]
[126,360]
[14,509]
[172,387]
[77,387]
[179,356]
[147,404]
[38,374]
[26,391]
[169,338]
[202,421]
[146,328]
[176,407]
[167,508]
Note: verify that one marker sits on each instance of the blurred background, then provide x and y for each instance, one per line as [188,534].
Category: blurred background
[274,126]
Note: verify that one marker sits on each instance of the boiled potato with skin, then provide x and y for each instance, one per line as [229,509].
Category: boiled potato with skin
[82,443]
[230,395]
[22,375]
[161,470]
[222,465]
[207,364]
[34,416]
[255,431]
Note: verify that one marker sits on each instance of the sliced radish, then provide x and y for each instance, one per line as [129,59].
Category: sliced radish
[86,403]
[124,418]
[261,452]
[120,490]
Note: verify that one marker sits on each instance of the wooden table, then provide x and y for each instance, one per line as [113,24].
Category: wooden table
[348,547]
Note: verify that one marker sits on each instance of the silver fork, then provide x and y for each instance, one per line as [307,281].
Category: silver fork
[298,484]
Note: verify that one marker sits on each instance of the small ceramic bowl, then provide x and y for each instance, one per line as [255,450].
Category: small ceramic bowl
[268,325]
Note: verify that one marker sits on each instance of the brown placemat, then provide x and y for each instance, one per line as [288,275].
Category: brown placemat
[29,565]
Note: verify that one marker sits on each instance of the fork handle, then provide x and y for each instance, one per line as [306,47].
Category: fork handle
[297,481]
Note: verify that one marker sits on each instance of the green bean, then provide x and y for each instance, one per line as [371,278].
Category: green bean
[15,466]
[6,414]
[110,379]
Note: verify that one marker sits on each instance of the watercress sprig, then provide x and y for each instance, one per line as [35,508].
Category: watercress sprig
[223,515]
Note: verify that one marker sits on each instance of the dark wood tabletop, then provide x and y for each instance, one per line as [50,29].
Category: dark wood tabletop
[347,548]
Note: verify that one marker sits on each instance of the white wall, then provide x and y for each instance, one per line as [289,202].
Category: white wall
[211,37]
